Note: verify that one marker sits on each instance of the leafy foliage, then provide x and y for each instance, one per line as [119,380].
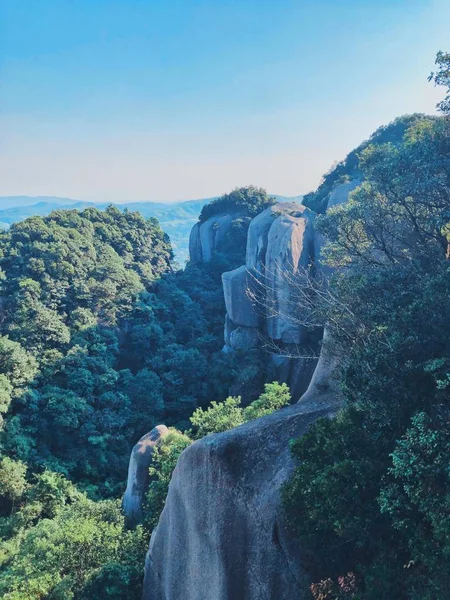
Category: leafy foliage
[349,168]
[442,77]
[369,495]
[64,546]
[247,201]
[99,340]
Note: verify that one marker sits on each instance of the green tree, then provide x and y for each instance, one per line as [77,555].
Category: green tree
[353,508]
[274,397]
[219,416]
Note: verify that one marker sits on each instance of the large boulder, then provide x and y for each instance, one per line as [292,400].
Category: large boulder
[244,338]
[138,474]
[324,385]
[221,534]
[195,246]
[258,233]
[241,308]
[290,253]
[205,238]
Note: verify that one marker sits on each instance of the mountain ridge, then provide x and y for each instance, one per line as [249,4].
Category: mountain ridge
[176,218]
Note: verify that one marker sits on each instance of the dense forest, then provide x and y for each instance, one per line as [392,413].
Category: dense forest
[370,496]
[101,340]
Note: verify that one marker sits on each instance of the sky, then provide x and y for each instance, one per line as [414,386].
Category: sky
[165,100]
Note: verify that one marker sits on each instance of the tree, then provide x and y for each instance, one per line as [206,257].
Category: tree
[442,77]
[274,397]
[367,493]
[248,201]
[219,416]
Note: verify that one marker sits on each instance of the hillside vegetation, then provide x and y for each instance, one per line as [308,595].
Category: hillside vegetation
[370,496]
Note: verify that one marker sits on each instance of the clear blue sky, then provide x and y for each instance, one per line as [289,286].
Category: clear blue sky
[171,99]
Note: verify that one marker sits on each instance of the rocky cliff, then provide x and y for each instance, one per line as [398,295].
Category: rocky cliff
[260,306]
[221,535]
[207,237]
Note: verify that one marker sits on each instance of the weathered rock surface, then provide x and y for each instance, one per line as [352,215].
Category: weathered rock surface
[340,193]
[290,250]
[241,309]
[258,232]
[138,475]
[244,338]
[229,328]
[206,237]
[221,535]
[295,371]
[324,384]
[195,246]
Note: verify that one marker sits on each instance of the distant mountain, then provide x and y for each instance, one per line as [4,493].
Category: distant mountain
[18,201]
[176,218]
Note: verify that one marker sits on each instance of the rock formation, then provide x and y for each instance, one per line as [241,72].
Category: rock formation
[221,535]
[258,298]
[340,193]
[261,297]
[206,237]
[138,475]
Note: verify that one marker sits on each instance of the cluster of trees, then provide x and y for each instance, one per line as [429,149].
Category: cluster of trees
[349,168]
[370,495]
[247,201]
[99,341]
[57,543]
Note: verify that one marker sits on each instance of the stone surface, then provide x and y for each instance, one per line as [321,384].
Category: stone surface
[228,329]
[324,385]
[195,247]
[138,475]
[206,237]
[241,309]
[290,250]
[244,338]
[340,193]
[221,534]
[258,233]
[296,372]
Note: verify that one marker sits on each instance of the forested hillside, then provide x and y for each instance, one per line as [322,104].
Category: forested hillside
[369,500]
[100,340]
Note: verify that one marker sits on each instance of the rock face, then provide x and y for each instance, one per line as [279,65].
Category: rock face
[290,249]
[324,384]
[207,237]
[283,252]
[221,534]
[138,475]
[240,308]
[340,193]
[280,245]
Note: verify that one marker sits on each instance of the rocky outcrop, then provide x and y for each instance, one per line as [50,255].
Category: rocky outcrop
[207,237]
[290,250]
[258,295]
[341,192]
[241,309]
[221,534]
[284,251]
[324,385]
[138,475]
